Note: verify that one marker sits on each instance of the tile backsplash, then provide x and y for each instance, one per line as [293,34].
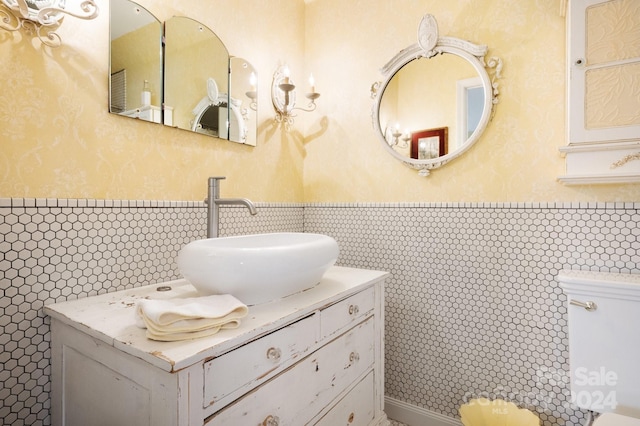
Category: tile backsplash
[60,249]
[472,305]
[473,308]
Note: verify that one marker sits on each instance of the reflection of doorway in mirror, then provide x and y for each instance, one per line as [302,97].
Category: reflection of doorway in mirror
[475,103]
[470,94]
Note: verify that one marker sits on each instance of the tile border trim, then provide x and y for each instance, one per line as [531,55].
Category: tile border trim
[486,205]
[102,203]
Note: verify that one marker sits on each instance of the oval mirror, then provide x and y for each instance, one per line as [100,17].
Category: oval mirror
[437,99]
[135,84]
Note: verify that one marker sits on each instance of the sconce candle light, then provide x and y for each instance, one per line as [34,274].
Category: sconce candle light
[405,139]
[283,96]
[396,134]
[253,92]
[42,17]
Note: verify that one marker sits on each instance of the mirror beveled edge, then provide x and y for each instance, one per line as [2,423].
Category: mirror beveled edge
[429,45]
[246,116]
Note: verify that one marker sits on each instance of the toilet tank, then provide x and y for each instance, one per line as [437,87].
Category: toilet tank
[604,340]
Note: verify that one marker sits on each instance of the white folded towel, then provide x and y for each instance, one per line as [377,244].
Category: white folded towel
[181,319]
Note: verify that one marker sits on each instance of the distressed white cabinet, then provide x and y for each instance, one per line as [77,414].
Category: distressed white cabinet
[314,358]
[604,92]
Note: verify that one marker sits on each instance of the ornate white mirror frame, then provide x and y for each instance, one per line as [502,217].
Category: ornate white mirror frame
[429,45]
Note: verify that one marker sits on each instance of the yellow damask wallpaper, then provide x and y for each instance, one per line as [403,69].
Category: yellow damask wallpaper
[58,140]
[516,160]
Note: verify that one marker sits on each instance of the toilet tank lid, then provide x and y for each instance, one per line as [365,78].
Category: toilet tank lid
[608,284]
[612,419]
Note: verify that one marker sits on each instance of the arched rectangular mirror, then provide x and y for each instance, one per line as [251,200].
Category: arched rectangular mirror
[135,85]
[198,93]
[190,82]
[244,92]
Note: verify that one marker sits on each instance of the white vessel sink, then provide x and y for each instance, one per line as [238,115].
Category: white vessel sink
[257,268]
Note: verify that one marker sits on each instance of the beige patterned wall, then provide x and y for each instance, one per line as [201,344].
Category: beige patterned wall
[57,139]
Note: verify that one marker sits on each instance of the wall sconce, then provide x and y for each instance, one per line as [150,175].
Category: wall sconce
[405,139]
[253,93]
[397,135]
[283,96]
[41,18]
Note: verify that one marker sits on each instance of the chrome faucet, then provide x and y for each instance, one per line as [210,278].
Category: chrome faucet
[214,202]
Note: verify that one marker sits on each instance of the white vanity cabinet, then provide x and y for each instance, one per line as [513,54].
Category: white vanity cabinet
[148,113]
[314,358]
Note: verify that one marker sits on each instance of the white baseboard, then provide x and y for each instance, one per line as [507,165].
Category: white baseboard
[415,416]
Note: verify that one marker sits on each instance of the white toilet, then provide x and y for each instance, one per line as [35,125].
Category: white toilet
[604,344]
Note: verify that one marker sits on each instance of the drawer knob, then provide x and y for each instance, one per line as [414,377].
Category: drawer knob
[353,309]
[271,421]
[274,354]
[354,356]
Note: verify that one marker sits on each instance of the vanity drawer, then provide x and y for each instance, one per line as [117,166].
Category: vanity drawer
[251,362]
[309,386]
[355,409]
[346,312]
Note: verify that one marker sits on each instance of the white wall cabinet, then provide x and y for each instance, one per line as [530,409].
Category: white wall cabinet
[604,92]
[314,358]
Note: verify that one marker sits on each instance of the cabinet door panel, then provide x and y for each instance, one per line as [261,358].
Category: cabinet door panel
[604,88]
[91,393]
